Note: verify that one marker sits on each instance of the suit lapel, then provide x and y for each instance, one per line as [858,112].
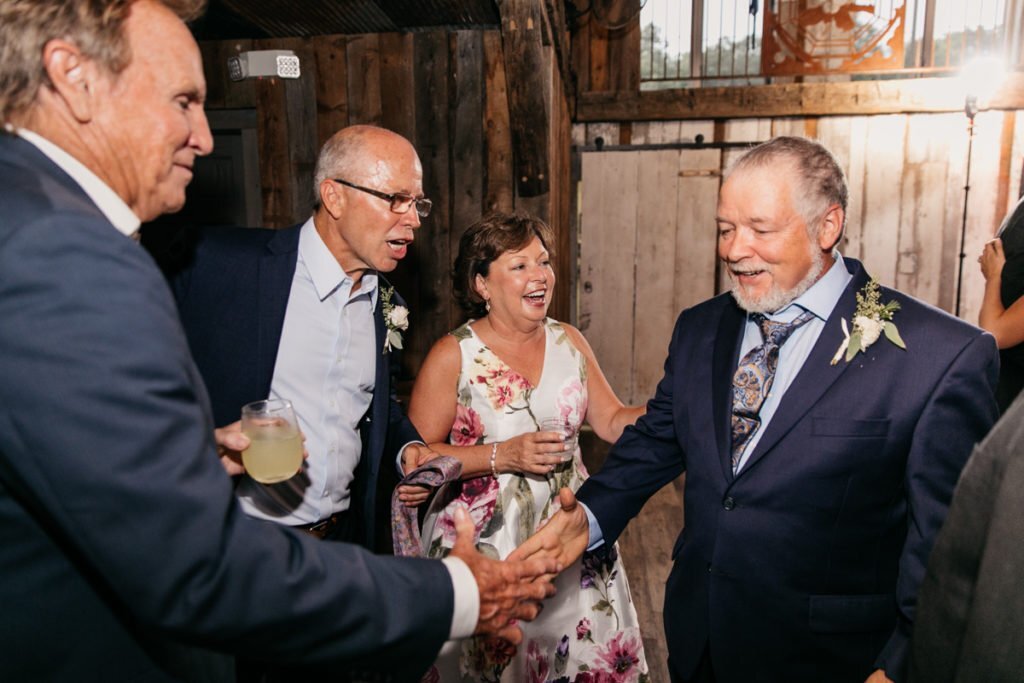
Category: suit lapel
[277,268]
[817,374]
[382,380]
[723,365]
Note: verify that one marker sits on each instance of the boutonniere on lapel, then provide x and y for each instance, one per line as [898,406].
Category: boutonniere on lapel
[396,319]
[871,319]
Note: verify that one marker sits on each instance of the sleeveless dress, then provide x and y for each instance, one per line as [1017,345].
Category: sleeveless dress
[588,631]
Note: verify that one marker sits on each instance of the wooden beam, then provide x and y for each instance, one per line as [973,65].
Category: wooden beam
[521,34]
[287,134]
[498,171]
[555,12]
[792,99]
[331,89]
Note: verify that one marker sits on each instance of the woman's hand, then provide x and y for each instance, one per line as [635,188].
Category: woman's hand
[531,453]
[992,259]
[413,457]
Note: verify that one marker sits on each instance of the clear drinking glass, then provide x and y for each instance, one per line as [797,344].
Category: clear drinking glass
[275,450]
[557,424]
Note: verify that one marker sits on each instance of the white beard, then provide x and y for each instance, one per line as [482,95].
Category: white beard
[776,299]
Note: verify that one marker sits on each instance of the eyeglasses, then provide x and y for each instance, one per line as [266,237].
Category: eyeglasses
[400,201]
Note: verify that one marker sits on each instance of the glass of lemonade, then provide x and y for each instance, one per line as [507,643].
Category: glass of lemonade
[555,424]
[275,449]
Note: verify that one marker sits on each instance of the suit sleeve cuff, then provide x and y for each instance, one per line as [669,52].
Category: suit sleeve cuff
[596,535]
[401,451]
[467,598]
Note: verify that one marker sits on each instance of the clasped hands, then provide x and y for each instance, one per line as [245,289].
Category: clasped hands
[514,588]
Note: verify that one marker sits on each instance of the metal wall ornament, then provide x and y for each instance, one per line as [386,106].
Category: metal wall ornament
[831,36]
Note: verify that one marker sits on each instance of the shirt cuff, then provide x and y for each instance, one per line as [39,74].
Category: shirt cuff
[467,598]
[398,458]
[596,535]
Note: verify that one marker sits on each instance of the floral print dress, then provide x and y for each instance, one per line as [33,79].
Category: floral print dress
[588,632]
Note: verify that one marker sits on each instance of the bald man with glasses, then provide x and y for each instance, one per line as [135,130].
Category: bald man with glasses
[300,314]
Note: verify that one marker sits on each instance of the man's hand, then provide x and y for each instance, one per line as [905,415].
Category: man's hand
[878,677]
[414,456]
[230,444]
[564,537]
[509,591]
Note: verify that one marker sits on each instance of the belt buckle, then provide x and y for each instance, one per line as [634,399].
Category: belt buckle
[321,529]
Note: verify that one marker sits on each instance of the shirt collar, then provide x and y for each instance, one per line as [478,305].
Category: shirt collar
[325,271]
[822,296]
[105,199]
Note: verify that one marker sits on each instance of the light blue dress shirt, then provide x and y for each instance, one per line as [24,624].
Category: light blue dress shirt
[819,299]
[326,366]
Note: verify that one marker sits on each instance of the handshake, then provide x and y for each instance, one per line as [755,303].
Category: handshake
[512,590]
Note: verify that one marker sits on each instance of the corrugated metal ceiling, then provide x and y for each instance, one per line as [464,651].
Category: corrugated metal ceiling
[287,18]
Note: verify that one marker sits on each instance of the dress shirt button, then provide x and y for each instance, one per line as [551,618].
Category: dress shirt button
[729,503]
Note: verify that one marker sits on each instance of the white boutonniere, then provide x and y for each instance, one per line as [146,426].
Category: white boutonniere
[396,319]
[871,319]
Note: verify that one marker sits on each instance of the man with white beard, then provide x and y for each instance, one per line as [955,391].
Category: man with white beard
[822,422]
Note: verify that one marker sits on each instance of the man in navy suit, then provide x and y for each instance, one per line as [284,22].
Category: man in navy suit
[124,555]
[300,314]
[806,534]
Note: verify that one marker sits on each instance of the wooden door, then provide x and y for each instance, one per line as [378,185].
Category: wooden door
[647,251]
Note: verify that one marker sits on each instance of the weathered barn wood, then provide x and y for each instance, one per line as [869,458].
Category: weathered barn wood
[608,230]
[287,139]
[363,56]
[499,185]
[397,80]
[331,62]
[522,25]
[432,258]
[790,99]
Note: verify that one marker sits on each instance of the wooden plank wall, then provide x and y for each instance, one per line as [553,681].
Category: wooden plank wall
[641,262]
[906,175]
[443,90]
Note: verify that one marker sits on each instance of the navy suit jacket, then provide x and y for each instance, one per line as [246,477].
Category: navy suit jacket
[805,565]
[121,541]
[232,297]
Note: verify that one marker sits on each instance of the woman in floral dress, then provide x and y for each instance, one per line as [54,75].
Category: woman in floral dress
[481,396]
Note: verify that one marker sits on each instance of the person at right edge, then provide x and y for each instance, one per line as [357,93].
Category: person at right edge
[1002,305]
[124,555]
[822,421]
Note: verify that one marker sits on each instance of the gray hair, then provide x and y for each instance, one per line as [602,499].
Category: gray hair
[822,182]
[341,155]
[96,27]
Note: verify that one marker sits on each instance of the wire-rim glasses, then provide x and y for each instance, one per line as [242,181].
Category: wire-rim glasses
[400,201]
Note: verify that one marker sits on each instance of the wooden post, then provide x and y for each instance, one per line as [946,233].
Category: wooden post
[521,32]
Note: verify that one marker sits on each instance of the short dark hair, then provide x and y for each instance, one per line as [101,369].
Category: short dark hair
[485,241]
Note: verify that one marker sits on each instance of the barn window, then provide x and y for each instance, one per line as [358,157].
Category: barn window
[701,43]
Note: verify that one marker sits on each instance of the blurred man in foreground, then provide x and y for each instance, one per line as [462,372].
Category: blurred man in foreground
[122,546]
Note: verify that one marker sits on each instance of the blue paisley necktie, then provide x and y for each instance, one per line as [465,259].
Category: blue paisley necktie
[754,377]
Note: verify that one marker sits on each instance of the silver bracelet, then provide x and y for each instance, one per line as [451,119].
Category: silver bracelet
[494,455]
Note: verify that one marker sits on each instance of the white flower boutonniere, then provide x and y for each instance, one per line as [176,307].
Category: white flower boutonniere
[396,319]
[871,319]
